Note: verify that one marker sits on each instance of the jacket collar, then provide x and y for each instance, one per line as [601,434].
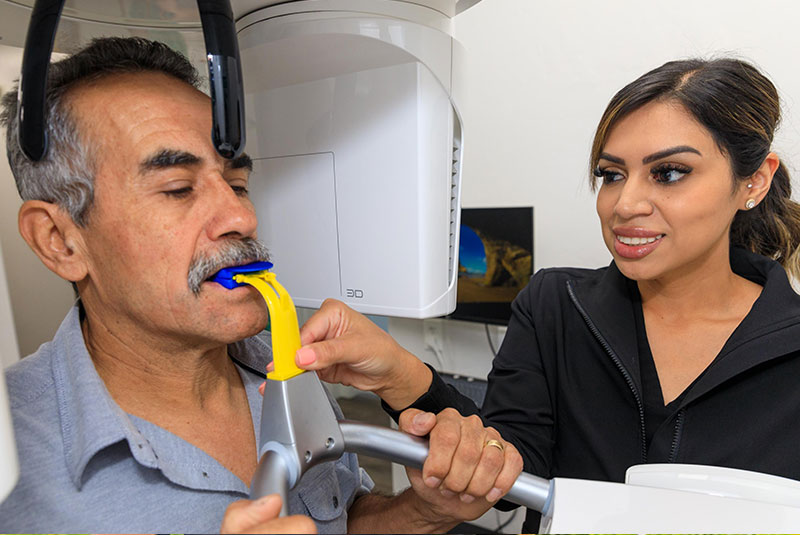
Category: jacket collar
[770,330]
[606,303]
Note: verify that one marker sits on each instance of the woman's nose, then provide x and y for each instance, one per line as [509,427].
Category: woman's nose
[634,199]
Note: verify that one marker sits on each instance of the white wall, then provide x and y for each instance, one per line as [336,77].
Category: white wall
[540,73]
[39,299]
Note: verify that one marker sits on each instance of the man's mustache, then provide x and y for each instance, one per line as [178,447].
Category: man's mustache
[232,253]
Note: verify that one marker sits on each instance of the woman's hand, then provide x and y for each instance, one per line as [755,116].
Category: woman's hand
[469,467]
[345,347]
[261,516]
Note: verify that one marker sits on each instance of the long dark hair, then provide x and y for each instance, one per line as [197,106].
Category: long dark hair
[740,107]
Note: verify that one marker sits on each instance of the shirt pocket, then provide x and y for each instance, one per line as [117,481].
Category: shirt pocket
[320,493]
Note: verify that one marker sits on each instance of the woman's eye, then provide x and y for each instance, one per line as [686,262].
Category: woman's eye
[669,174]
[609,176]
[179,193]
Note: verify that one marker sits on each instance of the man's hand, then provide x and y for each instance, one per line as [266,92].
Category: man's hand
[261,516]
[345,347]
[469,467]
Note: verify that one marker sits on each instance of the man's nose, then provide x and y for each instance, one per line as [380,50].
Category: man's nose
[232,215]
[634,198]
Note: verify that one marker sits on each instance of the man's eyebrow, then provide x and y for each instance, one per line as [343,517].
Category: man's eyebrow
[243,161]
[613,159]
[669,152]
[166,158]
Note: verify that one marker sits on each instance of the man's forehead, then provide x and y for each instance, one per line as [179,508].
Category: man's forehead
[141,114]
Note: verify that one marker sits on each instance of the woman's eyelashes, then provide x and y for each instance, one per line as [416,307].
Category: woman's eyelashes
[608,175]
[669,173]
[665,173]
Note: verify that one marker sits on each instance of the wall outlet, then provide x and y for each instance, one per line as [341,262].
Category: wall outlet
[433,336]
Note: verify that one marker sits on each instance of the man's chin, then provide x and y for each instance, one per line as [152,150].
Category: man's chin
[234,331]
[237,313]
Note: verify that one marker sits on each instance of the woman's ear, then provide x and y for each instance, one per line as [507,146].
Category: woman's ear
[54,237]
[762,178]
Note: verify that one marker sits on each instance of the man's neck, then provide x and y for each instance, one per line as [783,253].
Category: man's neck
[143,377]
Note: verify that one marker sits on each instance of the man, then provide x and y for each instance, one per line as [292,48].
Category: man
[141,414]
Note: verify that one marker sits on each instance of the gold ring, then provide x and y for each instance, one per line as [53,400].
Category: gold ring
[495,443]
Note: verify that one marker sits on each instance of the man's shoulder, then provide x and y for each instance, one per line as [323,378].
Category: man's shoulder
[31,378]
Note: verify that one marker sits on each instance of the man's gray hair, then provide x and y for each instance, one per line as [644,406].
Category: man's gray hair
[65,176]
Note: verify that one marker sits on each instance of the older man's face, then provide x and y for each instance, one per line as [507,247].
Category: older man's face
[163,197]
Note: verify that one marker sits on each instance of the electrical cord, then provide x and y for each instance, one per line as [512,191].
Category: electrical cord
[510,520]
[489,339]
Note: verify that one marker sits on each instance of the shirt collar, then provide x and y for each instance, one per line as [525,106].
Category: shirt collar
[90,418]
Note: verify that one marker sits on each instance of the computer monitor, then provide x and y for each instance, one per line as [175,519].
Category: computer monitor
[495,261]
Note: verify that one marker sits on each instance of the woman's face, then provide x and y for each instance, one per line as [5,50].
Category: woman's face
[666,199]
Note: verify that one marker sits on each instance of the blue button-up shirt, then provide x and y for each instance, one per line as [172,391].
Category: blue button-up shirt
[86,466]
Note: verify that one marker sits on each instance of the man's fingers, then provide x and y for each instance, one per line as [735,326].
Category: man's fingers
[416,422]
[444,441]
[244,514]
[286,525]
[467,455]
[261,516]
[512,467]
[491,463]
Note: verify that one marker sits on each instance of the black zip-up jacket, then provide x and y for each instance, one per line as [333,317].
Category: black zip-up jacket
[565,387]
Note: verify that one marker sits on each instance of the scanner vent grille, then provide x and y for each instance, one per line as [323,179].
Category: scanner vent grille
[455,179]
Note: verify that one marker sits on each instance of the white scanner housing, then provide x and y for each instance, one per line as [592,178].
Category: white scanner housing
[352,120]
[357,143]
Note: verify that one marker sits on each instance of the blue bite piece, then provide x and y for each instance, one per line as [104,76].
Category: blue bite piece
[225,276]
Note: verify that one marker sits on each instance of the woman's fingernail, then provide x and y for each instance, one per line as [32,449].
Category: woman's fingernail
[305,356]
[494,495]
[433,482]
[447,493]
[466,498]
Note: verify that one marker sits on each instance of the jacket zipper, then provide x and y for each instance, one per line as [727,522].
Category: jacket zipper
[620,367]
[676,436]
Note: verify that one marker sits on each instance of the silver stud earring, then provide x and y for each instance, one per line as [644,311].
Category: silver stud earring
[750,204]
[749,185]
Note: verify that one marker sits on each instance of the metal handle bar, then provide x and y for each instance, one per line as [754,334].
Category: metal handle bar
[384,443]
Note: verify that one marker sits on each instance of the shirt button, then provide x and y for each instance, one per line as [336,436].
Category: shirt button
[335,502]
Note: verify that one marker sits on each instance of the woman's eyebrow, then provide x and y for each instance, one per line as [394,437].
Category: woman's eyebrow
[613,159]
[669,152]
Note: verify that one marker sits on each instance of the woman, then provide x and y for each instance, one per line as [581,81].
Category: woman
[687,347]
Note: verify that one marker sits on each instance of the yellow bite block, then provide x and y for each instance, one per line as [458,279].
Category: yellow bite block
[283,321]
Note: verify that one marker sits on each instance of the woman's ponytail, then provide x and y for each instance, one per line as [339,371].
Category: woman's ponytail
[772,228]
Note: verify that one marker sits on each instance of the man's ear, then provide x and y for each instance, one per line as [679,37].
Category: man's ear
[55,239]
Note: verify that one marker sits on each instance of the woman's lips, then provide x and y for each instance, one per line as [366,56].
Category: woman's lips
[634,247]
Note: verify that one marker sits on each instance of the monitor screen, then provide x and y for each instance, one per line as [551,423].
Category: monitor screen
[495,261]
